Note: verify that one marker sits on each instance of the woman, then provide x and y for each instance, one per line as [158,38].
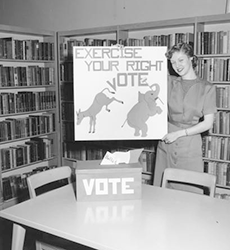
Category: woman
[191,108]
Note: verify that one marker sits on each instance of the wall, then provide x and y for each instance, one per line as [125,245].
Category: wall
[75,14]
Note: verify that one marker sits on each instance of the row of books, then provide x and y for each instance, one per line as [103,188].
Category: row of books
[214,69]
[30,49]
[34,150]
[213,42]
[97,152]
[159,40]
[66,46]
[15,186]
[33,125]
[66,71]
[223,96]
[221,123]
[147,160]
[216,148]
[68,131]
[11,103]
[67,111]
[82,152]
[220,169]
[67,92]
[32,75]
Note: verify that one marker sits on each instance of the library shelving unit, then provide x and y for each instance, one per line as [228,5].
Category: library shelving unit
[213,51]
[28,108]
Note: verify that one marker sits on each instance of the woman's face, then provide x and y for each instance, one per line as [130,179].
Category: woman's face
[182,64]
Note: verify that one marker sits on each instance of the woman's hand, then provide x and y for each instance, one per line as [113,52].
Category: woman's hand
[205,125]
[171,137]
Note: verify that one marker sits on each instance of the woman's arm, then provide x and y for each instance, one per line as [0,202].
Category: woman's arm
[205,125]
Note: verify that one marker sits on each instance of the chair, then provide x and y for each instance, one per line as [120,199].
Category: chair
[189,177]
[43,179]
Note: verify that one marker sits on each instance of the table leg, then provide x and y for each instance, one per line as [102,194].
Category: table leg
[18,237]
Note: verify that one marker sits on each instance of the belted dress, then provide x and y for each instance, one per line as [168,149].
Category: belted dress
[188,102]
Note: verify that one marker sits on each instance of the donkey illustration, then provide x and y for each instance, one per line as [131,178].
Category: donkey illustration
[143,109]
[99,101]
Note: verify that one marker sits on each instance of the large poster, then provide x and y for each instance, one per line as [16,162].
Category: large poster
[120,93]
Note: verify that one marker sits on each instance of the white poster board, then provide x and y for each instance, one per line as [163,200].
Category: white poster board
[120,93]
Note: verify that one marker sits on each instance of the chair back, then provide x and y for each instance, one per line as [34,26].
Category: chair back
[43,178]
[190,177]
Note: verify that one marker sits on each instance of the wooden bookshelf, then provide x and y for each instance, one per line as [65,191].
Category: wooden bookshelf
[213,51]
[28,108]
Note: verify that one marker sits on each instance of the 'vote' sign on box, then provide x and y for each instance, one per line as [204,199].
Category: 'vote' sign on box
[107,182]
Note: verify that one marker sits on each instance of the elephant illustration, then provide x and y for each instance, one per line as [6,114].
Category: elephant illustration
[141,111]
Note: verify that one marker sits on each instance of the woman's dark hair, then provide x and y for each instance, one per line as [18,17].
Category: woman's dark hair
[184,47]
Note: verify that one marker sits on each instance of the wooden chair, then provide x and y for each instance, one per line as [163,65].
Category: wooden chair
[188,177]
[40,180]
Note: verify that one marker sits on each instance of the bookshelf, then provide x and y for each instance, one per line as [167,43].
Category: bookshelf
[28,108]
[213,65]
[213,50]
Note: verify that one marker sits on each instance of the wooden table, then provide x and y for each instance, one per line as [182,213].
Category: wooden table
[163,219]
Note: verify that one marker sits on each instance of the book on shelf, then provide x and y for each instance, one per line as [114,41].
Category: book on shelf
[19,156]
[220,169]
[74,151]
[67,111]
[7,103]
[7,190]
[15,186]
[159,40]
[7,47]
[147,161]
[66,45]
[33,150]
[66,71]
[26,49]
[31,75]
[68,131]
[223,96]
[216,148]
[24,101]
[213,42]
[222,123]
[5,159]
[214,69]
[67,92]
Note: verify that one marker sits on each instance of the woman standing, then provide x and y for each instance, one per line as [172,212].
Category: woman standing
[191,109]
